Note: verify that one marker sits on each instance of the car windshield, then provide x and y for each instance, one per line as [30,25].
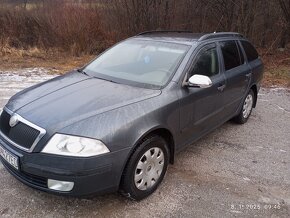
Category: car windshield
[138,61]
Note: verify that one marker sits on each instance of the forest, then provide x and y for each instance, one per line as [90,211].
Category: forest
[91,25]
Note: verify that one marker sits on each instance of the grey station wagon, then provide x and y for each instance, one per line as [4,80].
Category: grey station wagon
[118,122]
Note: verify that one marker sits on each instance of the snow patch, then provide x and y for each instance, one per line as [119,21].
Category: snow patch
[16,80]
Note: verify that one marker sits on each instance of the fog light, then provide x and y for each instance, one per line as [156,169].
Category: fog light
[60,185]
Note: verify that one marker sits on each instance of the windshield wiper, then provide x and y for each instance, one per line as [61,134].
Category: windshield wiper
[109,80]
[82,71]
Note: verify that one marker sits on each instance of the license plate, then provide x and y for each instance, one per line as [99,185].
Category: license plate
[9,158]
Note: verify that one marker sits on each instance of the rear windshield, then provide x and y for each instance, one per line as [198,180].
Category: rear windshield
[250,51]
[139,61]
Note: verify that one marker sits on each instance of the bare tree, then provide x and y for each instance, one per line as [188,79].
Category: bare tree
[266,23]
[25,3]
[285,6]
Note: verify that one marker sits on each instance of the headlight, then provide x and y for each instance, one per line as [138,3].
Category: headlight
[74,146]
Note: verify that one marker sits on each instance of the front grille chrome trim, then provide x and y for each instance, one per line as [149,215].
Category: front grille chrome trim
[21,119]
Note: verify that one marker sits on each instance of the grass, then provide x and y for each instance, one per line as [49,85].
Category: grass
[279,76]
[277,68]
[56,61]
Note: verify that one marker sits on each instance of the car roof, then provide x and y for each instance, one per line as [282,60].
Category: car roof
[184,37]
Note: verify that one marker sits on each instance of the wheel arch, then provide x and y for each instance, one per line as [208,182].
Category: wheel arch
[161,131]
[165,133]
[255,90]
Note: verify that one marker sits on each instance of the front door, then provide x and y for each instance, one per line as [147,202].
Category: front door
[201,107]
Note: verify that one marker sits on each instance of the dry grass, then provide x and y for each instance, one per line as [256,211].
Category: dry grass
[68,28]
[279,76]
[60,62]
[7,50]
[277,67]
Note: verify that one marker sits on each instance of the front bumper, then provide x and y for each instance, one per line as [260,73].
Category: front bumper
[94,175]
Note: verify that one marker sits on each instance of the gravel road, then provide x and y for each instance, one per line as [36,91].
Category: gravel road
[236,171]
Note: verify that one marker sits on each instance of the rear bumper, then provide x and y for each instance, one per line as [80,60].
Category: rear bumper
[94,175]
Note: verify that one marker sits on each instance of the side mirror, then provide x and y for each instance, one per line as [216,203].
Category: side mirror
[199,81]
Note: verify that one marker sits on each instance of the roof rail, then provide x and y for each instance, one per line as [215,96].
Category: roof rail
[219,35]
[163,31]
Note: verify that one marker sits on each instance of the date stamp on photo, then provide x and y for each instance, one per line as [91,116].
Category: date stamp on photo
[242,206]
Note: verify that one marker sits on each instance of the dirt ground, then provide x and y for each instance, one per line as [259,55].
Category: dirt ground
[236,171]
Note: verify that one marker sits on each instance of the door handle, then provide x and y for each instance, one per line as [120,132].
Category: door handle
[248,75]
[222,87]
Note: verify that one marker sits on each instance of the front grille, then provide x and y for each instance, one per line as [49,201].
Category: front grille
[32,179]
[4,122]
[21,134]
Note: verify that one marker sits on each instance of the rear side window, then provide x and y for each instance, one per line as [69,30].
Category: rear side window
[250,51]
[207,62]
[231,54]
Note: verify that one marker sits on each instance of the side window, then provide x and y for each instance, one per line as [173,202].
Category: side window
[231,54]
[206,62]
[250,51]
[241,53]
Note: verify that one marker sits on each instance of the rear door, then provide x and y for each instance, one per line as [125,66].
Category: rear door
[237,73]
[254,61]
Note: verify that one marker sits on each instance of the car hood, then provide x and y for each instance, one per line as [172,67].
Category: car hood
[67,99]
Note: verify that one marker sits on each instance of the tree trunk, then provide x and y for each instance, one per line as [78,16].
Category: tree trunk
[25,4]
[285,37]
[285,6]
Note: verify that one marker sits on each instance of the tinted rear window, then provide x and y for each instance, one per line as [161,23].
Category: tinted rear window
[250,51]
[231,54]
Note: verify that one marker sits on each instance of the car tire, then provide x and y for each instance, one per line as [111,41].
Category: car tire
[145,169]
[246,109]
